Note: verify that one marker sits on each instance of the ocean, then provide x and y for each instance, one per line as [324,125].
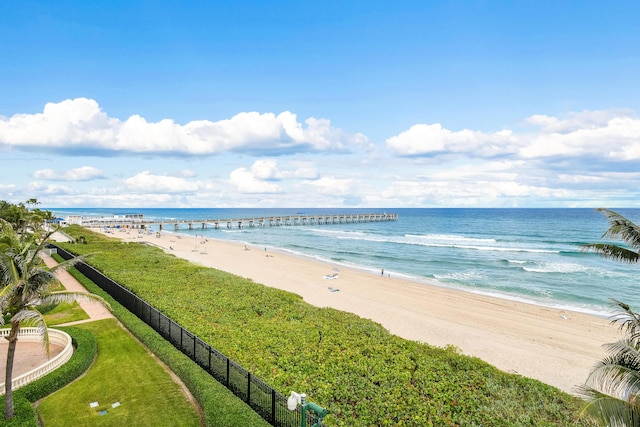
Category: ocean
[529,255]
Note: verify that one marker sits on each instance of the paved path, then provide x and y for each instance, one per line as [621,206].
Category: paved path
[30,355]
[95,310]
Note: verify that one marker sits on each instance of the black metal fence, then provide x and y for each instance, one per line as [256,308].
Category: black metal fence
[262,398]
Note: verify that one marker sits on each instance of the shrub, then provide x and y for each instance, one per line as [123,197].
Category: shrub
[84,354]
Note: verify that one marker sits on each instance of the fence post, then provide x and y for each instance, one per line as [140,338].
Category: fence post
[249,388]
[273,407]
[227,382]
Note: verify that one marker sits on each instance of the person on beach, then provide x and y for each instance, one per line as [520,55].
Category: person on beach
[382,273]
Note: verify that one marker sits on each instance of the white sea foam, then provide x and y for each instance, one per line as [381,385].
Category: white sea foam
[450,237]
[453,242]
[557,267]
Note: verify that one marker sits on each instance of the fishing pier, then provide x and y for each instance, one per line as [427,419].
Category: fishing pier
[138,221]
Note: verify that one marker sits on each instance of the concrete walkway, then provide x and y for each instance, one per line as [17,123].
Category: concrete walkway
[30,355]
[94,310]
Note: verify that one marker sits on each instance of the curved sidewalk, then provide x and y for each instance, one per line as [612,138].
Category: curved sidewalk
[30,355]
[94,310]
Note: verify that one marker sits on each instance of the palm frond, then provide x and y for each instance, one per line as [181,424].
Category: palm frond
[609,411]
[615,252]
[622,353]
[71,296]
[67,264]
[627,319]
[614,380]
[621,227]
[33,318]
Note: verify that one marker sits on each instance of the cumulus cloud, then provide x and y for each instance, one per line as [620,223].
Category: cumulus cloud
[79,126]
[42,188]
[268,170]
[260,176]
[573,121]
[245,181]
[424,140]
[84,173]
[333,186]
[612,135]
[146,182]
[598,134]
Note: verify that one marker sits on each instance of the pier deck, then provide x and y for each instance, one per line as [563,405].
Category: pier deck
[268,221]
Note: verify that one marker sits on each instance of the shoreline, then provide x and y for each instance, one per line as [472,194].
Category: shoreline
[600,313]
[554,345]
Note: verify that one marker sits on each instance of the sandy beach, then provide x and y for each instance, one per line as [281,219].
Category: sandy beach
[554,346]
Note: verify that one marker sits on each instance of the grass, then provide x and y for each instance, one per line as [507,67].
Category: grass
[64,313]
[123,372]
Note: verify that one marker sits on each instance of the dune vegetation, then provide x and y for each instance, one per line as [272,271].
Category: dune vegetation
[352,366]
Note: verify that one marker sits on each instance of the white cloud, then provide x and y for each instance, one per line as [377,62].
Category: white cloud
[258,178]
[612,135]
[245,181]
[146,182]
[575,120]
[38,187]
[7,188]
[333,186]
[187,173]
[579,159]
[80,125]
[266,169]
[423,139]
[84,173]
[595,134]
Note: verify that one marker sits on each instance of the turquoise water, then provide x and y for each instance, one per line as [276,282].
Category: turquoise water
[531,255]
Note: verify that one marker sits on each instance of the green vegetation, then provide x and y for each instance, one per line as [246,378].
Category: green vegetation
[352,366]
[123,372]
[63,313]
[219,406]
[612,390]
[84,354]
[26,287]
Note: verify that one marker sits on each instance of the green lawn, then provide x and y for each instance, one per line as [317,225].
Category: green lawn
[123,372]
[64,313]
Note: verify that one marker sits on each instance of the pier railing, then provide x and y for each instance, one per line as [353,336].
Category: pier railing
[262,398]
[266,221]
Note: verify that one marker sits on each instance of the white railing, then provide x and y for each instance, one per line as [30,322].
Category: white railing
[56,337]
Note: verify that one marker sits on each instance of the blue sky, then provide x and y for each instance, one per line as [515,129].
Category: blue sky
[320,104]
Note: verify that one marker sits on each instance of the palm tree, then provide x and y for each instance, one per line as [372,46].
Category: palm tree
[612,390]
[34,202]
[25,285]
